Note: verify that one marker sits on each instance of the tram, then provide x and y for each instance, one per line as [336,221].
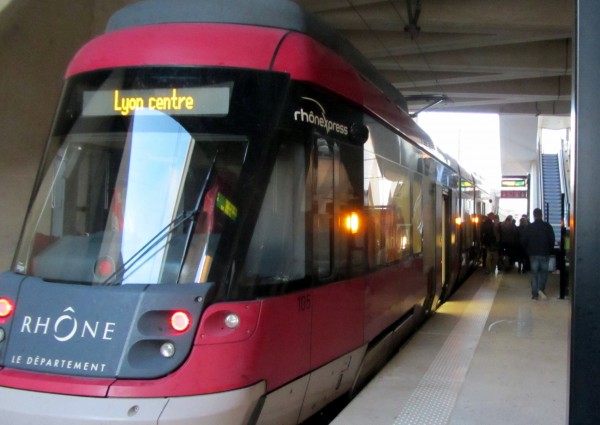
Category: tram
[235,221]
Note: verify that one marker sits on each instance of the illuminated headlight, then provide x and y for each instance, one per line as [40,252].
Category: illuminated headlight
[232,321]
[167,350]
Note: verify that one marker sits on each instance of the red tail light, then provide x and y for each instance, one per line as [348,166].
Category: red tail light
[6,307]
[181,321]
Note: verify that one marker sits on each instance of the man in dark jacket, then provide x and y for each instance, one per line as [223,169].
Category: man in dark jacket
[490,240]
[539,244]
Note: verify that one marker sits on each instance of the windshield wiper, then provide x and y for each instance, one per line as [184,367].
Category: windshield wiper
[119,274]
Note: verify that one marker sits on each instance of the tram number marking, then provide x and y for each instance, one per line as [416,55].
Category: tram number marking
[304,302]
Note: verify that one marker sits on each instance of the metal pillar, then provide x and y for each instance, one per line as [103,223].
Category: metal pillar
[585,220]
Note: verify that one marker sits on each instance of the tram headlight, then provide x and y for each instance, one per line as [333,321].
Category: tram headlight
[2,334]
[167,350]
[232,321]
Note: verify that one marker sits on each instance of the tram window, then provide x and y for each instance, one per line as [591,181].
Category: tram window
[467,208]
[388,209]
[413,158]
[401,204]
[324,207]
[117,208]
[276,254]
[417,217]
[349,231]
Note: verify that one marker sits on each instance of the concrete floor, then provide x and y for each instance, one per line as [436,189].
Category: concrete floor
[490,356]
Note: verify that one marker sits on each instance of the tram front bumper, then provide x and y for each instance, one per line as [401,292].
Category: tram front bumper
[19,407]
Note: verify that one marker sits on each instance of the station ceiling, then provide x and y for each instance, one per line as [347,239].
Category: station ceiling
[506,57]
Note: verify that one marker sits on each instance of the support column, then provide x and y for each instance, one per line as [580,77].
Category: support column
[585,220]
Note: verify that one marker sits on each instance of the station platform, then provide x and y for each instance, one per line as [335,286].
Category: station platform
[491,355]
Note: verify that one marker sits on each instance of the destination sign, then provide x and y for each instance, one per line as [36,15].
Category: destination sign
[514,183]
[200,101]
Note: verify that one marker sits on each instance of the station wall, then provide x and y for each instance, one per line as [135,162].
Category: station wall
[37,40]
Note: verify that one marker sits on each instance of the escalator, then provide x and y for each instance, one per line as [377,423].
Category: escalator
[552,192]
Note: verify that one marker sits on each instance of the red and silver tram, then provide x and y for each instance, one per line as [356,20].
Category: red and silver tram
[234,222]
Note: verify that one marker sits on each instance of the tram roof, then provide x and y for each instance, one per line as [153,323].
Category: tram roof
[281,14]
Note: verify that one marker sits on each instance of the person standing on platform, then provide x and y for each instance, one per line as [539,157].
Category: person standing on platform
[523,258]
[490,240]
[539,244]
[508,243]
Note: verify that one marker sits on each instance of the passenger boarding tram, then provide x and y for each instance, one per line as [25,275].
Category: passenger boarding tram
[235,221]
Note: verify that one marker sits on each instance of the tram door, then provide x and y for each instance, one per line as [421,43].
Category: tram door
[335,258]
[442,217]
[444,243]
[446,240]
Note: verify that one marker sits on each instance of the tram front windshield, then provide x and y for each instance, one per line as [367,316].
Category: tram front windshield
[140,176]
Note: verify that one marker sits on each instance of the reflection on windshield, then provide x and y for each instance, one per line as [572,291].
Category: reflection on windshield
[155,171]
[147,206]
